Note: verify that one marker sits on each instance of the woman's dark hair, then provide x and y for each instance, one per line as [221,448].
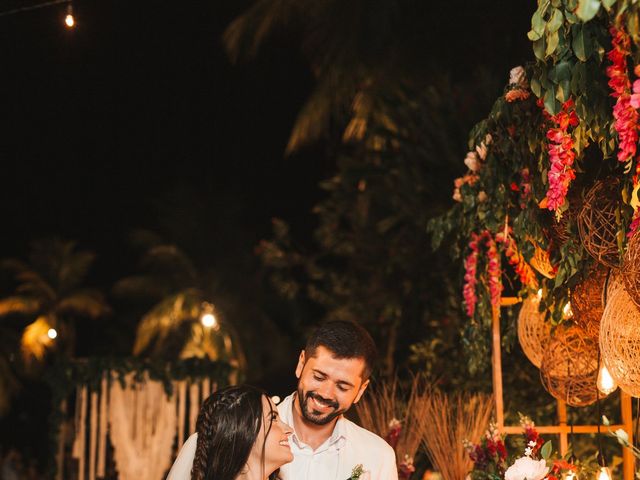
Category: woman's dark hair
[228,426]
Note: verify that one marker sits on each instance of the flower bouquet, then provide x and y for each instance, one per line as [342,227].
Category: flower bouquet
[490,457]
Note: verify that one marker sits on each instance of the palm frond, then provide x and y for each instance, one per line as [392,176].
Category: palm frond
[244,36]
[141,287]
[32,283]
[169,259]
[165,318]
[145,239]
[84,303]
[35,340]
[17,304]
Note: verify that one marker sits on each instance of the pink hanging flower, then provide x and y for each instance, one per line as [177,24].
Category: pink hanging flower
[494,270]
[561,155]
[470,279]
[624,111]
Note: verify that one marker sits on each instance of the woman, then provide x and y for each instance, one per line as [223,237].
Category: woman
[239,437]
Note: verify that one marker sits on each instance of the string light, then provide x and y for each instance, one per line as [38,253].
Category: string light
[606,383]
[69,20]
[52,333]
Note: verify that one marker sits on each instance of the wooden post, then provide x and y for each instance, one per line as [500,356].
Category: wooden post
[497,368]
[562,421]
[62,433]
[628,460]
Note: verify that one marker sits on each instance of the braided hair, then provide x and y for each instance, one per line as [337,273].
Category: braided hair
[228,426]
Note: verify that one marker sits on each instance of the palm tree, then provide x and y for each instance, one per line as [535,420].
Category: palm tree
[50,295]
[171,328]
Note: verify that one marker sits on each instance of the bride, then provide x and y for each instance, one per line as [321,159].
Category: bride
[239,437]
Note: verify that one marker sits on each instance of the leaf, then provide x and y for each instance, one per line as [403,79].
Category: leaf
[550,102]
[552,43]
[536,88]
[545,451]
[580,44]
[608,3]
[539,48]
[537,22]
[533,35]
[587,9]
[555,22]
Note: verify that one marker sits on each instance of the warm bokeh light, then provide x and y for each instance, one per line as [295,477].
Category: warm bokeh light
[539,294]
[69,20]
[52,333]
[567,312]
[208,320]
[604,474]
[606,383]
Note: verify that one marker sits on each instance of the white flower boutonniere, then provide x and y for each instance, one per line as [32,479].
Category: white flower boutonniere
[356,473]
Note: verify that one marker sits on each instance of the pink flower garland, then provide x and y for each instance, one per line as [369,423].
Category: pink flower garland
[493,269]
[561,155]
[624,111]
[470,279]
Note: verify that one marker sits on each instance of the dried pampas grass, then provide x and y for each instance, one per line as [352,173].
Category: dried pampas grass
[447,421]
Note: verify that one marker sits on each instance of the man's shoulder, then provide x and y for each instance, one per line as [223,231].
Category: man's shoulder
[365,438]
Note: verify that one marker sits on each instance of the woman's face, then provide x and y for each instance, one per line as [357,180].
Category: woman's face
[276,444]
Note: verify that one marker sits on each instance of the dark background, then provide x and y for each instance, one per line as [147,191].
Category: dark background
[136,118]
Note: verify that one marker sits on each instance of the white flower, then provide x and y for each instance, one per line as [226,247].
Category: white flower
[472,162]
[517,76]
[456,195]
[532,443]
[622,435]
[526,468]
[528,451]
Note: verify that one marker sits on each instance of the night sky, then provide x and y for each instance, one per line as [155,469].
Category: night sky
[136,118]
[137,110]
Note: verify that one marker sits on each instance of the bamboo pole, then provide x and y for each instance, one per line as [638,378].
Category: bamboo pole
[62,434]
[628,460]
[496,365]
[562,420]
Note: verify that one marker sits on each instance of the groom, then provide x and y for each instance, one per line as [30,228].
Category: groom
[333,372]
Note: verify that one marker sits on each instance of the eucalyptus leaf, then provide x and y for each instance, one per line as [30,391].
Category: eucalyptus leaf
[533,35]
[545,451]
[539,48]
[537,22]
[608,3]
[536,88]
[550,102]
[552,43]
[587,9]
[555,22]
[580,43]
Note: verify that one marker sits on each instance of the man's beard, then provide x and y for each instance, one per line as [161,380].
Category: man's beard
[318,418]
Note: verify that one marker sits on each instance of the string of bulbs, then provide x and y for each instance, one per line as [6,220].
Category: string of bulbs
[69,19]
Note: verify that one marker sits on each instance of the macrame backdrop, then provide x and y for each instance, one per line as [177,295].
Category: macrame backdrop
[142,423]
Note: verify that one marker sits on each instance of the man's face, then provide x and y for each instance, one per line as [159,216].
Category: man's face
[328,386]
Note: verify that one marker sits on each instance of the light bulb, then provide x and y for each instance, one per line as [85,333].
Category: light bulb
[539,295]
[606,383]
[69,20]
[604,474]
[52,333]
[567,312]
[208,320]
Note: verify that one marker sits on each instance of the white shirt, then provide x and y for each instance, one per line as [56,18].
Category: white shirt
[348,446]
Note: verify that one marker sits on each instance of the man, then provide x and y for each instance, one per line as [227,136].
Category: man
[333,372]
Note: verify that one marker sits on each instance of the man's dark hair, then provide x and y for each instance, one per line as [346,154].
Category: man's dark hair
[345,340]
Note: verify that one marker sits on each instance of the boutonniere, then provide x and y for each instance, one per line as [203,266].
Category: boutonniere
[357,472]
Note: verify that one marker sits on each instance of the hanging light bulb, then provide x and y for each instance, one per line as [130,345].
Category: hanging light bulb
[52,333]
[604,474]
[606,383]
[69,20]
[539,295]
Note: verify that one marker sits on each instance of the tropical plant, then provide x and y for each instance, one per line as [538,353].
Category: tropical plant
[49,293]
[176,294]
